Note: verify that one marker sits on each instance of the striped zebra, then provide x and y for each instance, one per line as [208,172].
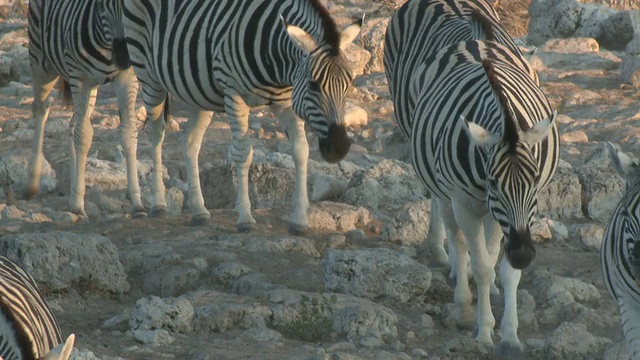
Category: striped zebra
[484,141]
[620,252]
[232,55]
[28,329]
[81,42]
[418,29]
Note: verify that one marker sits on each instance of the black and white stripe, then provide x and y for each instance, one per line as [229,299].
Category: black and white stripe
[233,55]
[620,252]
[81,42]
[418,29]
[484,142]
[28,329]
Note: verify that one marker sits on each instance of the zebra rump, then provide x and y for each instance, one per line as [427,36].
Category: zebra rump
[620,251]
[28,329]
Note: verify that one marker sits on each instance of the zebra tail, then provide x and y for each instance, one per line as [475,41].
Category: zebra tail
[120,54]
[166,108]
[65,94]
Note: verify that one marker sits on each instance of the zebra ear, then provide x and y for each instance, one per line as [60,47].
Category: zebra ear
[479,135]
[621,162]
[300,37]
[62,351]
[539,131]
[349,33]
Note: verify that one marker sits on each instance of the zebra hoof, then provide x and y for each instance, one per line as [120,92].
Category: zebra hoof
[201,220]
[30,193]
[298,230]
[509,350]
[245,228]
[138,212]
[158,212]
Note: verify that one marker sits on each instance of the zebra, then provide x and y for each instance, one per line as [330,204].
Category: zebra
[620,252]
[484,140]
[232,55]
[82,44]
[28,329]
[420,28]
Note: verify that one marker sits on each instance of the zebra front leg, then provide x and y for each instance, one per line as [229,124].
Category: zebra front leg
[493,236]
[294,128]
[126,87]
[43,84]
[469,220]
[462,296]
[510,345]
[242,154]
[192,142]
[84,99]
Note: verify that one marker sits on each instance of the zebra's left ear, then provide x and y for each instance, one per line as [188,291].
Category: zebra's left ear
[300,37]
[348,34]
[621,162]
[539,131]
[62,351]
[479,135]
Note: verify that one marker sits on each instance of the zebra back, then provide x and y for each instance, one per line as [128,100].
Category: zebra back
[620,251]
[28,329]
[422,27]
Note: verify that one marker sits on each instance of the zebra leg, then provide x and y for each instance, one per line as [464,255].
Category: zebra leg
[462,296]
[481,265]
[154,99]
[510,345]
[493,236]
[242,154]
[434,243]
[84,99]
[294,128]
[43,84]
[191,142]
[126,87]
[630,317]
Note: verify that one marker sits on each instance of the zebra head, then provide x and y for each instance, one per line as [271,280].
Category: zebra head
[322,79]
[628,211]
[513,181]
[109,14]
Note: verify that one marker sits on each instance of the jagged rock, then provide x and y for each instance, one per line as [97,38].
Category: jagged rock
[375,274]
[59,260]
[13,170]
[153,313]
[372,40]
[562,197]
[549,289]
[573,342]
[410,224]
[337,216]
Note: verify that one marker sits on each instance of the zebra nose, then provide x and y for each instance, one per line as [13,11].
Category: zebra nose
[336,145]
[519,249]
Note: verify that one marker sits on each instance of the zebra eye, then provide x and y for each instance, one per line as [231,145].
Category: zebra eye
[314,86]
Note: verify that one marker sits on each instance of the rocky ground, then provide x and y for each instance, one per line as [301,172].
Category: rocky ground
[357,285]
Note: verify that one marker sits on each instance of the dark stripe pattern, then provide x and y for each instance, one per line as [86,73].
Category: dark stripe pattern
[28,329]
[620,258]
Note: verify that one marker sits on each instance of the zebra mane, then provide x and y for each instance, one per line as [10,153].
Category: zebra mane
[331,32]
[485,24]
[510,132]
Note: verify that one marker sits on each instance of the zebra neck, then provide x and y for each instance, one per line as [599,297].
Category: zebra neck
[14,343]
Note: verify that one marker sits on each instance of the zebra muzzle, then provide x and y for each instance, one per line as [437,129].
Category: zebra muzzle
[336,145]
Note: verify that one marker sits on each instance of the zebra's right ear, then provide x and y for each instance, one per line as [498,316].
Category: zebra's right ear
[621,162]
[300,37]
[62,351]
[479,135]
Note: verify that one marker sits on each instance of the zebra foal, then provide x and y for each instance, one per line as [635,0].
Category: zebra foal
[484,141]
[81,42]
[620,251]
[28,329]
[420,28]
[232,55]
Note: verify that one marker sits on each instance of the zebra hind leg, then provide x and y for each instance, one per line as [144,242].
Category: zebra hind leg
[155,100]
[191,143]
[433,246]
[43,83]
[126,87]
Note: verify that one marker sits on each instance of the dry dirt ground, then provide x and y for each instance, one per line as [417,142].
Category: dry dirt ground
[612,118]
